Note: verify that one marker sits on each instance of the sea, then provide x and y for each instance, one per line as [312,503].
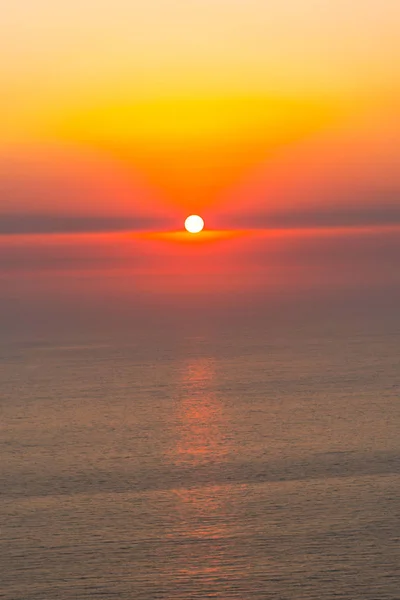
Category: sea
[255,464]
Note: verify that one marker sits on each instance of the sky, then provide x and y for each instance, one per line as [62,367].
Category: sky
[277,121]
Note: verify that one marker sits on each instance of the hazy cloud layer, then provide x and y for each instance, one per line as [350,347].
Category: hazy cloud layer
[13,224]
[317,216]
[351,215]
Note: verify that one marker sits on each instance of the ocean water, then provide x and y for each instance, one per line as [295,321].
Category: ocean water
[249,466]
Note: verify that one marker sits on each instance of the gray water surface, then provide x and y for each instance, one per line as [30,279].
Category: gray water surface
[227,466]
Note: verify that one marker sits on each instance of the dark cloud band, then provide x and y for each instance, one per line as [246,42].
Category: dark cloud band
[14,224]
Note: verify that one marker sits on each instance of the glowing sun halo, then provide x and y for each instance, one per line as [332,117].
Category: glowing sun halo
[194,224]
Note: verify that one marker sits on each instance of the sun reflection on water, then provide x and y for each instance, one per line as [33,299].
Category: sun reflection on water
[204,522]
[202,433]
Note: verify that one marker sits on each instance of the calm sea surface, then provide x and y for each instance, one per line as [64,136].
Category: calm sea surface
[228,466]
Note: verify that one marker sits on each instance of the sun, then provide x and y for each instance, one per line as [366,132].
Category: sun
[194,224]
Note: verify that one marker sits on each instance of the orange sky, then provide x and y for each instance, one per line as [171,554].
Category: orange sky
[128,116]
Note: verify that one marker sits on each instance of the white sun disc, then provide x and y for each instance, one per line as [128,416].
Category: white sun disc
[194,224]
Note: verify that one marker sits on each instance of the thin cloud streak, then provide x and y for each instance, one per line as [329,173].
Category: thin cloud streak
[19,224]
[317,217]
